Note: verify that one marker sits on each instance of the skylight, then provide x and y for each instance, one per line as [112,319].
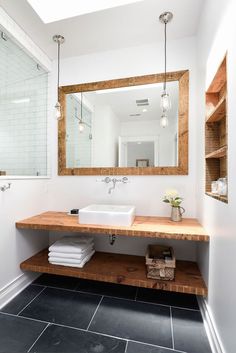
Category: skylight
[56,10]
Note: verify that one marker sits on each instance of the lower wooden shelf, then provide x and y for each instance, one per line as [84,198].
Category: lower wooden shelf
[123,269]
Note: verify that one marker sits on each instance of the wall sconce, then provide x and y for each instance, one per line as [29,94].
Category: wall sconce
[59,40]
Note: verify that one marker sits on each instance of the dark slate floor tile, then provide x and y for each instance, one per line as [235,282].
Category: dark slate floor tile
[64,307]
[133,320]
[188,301]
[21,300]
[58,339]
[134,347]
[57,281]
[17,334]
[189,332]
[107,289]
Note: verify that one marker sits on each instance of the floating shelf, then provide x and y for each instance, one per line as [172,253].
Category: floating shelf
[220,153]
[219,111]
[123,269]
[150,227]
[218,197]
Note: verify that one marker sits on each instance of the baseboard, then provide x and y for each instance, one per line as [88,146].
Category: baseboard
[210,327]
[13,288]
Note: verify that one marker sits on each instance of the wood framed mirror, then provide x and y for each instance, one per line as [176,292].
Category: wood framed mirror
[107,126]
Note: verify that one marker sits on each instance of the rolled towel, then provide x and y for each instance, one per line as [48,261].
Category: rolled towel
[74,245]
[67,255]
[73,264]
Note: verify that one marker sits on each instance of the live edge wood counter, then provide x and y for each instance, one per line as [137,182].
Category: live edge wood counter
[118,268]
[152,227]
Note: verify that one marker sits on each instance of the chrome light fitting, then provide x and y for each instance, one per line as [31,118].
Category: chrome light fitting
[165,102]
[57,38]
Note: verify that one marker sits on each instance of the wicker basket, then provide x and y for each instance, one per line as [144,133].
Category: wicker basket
[160,261]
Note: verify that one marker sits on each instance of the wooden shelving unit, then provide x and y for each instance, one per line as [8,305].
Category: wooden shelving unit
[216,130]
[118,268]
[123,269]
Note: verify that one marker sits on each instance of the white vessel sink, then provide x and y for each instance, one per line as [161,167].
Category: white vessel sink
[112,215]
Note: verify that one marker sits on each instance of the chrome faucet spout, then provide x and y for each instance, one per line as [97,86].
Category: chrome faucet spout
[114,181]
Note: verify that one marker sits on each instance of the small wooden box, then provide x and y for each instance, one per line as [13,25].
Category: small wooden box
[160,262]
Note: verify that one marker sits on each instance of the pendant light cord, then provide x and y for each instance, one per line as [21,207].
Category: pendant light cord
[165,57]
[81,108]
[58,68]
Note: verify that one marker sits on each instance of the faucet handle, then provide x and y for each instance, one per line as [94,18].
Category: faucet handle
[125,180]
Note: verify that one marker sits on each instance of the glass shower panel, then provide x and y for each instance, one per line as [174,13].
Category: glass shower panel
[23,112]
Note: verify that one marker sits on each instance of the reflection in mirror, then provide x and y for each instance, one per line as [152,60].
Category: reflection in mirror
[120,127]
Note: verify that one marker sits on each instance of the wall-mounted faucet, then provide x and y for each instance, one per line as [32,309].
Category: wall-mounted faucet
[114,181]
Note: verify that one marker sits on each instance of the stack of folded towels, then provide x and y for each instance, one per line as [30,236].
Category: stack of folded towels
[71,251]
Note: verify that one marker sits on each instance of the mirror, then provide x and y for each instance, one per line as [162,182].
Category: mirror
[113,127]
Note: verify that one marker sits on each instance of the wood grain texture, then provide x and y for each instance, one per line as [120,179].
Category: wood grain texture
[220,153]
[216,130]
[219,111]
[152,227]
[123,269]
[181,169]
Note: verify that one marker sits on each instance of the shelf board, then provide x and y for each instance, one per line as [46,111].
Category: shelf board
[123,269]
[217,197]
[219,112]
[151,227]
[220,153]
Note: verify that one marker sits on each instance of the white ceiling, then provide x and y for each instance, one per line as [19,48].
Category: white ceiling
[119,27]
[123,103]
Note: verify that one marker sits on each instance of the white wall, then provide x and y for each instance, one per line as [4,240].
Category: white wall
[145,192]
[106,128]
[216,36]
[166,137]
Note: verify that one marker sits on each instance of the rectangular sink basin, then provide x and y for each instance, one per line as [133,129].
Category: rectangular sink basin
[111,215]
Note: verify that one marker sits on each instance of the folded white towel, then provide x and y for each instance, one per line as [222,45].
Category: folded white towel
[72,245]
[68,255]
[80,265]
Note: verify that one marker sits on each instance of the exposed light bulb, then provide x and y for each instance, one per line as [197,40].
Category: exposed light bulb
[58,115]
[81,126]
[165,103]
[164,121]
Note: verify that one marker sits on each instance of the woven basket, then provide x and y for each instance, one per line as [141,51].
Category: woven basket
[158,265]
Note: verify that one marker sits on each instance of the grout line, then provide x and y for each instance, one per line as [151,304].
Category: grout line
[126,346]
[24,317]
[168,306]
[38,338]
[155,346]
[172,329]
[89,331]
[111,296]
[31,301]
[95,313]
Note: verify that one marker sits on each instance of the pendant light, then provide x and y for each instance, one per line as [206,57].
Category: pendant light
[81,124]
[59,40]
[165,102]
[164,120]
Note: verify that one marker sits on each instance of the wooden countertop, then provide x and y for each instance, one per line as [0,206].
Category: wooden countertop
[143,226]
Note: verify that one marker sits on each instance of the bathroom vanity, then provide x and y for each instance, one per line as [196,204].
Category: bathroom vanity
[118,268]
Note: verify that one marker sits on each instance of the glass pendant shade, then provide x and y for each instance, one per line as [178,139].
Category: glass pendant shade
[165,102]
[58,111]
[164,121]
[81,127]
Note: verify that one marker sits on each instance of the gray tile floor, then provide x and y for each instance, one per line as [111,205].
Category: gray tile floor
[66,315]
